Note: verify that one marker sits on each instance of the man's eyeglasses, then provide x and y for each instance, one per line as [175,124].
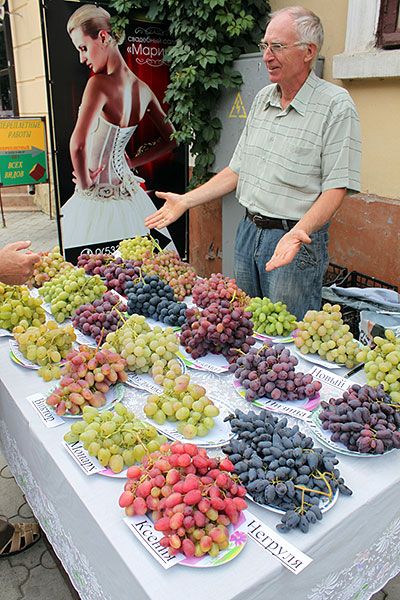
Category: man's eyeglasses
[276,47]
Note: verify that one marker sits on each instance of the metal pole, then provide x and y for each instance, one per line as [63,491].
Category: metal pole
[2,210]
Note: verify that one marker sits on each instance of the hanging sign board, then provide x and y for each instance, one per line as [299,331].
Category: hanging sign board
[23,152]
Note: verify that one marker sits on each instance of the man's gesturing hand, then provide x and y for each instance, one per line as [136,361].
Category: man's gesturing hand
[173,207]
[16,266]
[287,248]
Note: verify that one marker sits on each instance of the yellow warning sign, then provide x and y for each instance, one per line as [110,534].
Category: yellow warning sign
[238,110]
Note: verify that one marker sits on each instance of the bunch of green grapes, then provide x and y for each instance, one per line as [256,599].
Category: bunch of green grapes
[70,289]
[184,403]
[135,248]
[142,346]
[271,318]
[160,371]
[117,439]
[382,364]
[18,307]
[46,346]
[49,265]
[323,332]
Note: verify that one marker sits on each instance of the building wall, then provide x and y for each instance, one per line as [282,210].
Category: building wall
[365,232]
[30,73]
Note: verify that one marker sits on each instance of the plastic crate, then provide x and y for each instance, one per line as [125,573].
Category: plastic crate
[350,315]
[355,279]
[334,274]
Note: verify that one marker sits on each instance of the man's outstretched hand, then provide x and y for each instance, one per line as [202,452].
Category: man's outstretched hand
[287,248]
[173,208]
[16,266]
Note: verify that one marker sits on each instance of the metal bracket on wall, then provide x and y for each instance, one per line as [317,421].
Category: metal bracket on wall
[211,255]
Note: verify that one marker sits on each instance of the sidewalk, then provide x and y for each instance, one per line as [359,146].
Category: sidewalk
[35,574]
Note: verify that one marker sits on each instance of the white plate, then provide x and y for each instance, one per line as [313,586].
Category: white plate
[324,505]
[115,394]
[17,356]
[219,435]
[214,363]
[5,333]
[324,436]
[276,339]
[316,359]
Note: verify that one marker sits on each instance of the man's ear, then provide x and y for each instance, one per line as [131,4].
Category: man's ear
[311,52]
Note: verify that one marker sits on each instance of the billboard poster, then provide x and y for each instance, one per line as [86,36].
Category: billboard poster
[111,134]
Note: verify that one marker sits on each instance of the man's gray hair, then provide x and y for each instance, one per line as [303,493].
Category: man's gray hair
[308,25]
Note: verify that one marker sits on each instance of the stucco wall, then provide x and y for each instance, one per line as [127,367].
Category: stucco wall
[30,73]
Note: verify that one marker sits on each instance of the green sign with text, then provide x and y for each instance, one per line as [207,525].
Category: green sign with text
[23,151]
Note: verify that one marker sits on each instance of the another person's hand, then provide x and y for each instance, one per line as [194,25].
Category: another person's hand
[16,266]
[173,207]
[287,248]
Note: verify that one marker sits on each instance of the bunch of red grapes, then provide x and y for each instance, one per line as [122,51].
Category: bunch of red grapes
[170,268]
[191,498]
[87,376]
[100,317]
[217,288]
[92,262]
[220,329]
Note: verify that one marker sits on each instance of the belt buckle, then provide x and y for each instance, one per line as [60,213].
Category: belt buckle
[258,220]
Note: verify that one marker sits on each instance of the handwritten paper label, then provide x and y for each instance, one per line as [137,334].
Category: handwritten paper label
[88,464]
[144,531]
[269,540]
[47,416]
[142,383]
[292,411]
[330,379]
[206,366]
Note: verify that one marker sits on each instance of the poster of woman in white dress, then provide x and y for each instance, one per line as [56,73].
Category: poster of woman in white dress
[109,201]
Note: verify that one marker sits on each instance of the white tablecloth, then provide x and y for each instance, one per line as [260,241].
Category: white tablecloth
[355,548]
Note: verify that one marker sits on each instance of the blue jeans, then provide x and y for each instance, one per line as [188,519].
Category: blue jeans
[297,284]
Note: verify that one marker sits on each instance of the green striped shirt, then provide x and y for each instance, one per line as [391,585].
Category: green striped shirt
[286,158]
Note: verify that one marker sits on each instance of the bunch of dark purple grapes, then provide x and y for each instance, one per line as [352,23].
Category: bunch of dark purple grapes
[280,467]
[92,262]
[364,419]
[219,329]
[100,317]
[270,372]
[117,273]
[154,298]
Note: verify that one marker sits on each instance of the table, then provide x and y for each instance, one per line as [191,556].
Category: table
[355,548]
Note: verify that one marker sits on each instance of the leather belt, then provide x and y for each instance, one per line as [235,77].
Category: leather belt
[270,222]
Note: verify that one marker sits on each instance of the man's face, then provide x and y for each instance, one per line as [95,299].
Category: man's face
[287,65]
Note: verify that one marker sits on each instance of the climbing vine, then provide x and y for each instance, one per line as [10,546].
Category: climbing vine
[210,35]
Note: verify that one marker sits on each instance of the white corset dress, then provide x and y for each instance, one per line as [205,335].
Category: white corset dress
[116,206]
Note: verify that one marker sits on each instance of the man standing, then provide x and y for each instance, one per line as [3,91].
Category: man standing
[297,156]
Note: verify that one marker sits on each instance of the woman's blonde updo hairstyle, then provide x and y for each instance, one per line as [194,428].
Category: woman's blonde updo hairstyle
[92,19]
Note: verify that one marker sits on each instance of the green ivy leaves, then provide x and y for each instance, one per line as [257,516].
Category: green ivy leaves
[210,35]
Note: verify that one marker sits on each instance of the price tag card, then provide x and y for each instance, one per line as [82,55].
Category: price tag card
[144,531]
[5,333]
[47,416]
[270,541]
[89,464]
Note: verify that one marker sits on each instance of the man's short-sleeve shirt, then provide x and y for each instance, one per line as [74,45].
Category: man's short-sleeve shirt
[286,157]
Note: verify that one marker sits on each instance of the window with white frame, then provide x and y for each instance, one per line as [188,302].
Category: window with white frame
[372,46]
